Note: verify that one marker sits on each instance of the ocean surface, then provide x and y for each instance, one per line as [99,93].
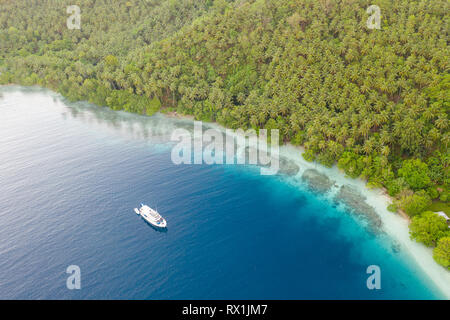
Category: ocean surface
[71,174]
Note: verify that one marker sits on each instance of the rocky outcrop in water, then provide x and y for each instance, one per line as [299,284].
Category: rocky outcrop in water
[286,166]
[317,181]
[355,201]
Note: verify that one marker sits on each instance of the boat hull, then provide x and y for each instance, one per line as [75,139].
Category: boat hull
[159,224]
[151,216]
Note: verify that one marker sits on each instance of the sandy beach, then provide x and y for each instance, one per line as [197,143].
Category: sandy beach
[395,225]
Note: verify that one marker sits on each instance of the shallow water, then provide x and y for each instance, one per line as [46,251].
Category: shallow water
[71,174]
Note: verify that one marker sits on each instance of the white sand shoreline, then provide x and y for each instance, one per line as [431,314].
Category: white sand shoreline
[395,225]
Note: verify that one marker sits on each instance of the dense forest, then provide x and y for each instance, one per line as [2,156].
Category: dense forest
[374,101]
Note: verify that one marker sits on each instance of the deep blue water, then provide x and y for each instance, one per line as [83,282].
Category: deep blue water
[70,176]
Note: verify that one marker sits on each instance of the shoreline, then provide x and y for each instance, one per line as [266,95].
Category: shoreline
[175,115]
[394,224]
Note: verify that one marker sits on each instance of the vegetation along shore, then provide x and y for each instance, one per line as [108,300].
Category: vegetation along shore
[376,102]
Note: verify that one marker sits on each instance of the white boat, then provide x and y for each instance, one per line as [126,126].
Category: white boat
[151,216]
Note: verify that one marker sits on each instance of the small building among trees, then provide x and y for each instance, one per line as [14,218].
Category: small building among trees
[442,214]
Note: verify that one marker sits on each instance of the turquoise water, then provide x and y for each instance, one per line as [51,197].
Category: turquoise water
[71,174]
